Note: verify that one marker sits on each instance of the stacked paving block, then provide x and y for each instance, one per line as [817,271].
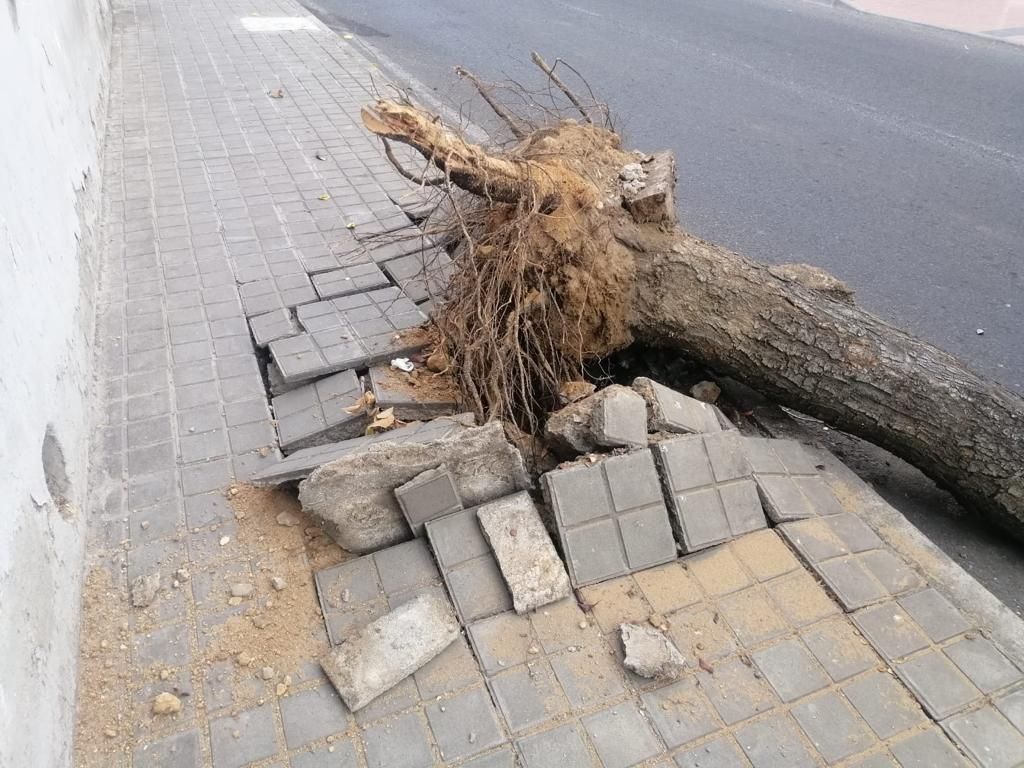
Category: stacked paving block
[709,482]
[468,566]
[315,414]
[787,480]
[610,517]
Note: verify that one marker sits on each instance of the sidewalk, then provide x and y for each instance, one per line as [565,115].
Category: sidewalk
[235,159]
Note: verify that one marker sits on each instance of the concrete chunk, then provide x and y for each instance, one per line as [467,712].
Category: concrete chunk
[378,656]
[584,425]
[527,558]
[650,653]
[671,411]
[354,495]
[655,200]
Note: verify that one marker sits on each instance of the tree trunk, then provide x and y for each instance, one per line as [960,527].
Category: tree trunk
[832,360]
[803,343]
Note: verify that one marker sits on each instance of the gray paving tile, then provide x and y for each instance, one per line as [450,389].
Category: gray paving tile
[833,727]
[671,411]
[814,539]
[398,743]
[464,725]
[928,749]
[852,583]
[790,669]
[557,748]
[890,630]
[720,753]
[504,641]
[884,704]
[839,649]
[501,758]
[1012,707]
[451,670]
[428,496]
[528,695]
[983,663]
[271,326]
[879,760]
[680,713]
[937,683]
[422,275]
[312,715]
[891,572]
[788,481]
[752,616]
[712,495]
[338,754]
[610,517]
[315,414]
[345,281]
[178,751]
[400,391]
[736,692]
[279,292]
[243,738]
[987,737]
[348,332]
[622,736]
[588,675]
[934,614]
[775,743]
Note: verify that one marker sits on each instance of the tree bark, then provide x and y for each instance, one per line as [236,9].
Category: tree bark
[803,343]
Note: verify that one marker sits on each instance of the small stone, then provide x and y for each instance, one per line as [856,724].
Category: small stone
[288,520]
[472,737]
[980,331]
[705,391]
[244,659]
[182,574]
[110,733]
[533,649]
[224,540]
[233,491]
[658,621]
[144,525]
[260,622]
[437,362]
[166,704]
[232,601]
[144,589]
[583,625]
[278,583]
[281,689]
[346,596]
[649,653]
[164,674]
[241,589]
[267,673]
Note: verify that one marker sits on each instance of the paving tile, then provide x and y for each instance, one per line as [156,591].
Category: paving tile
[464,725]
[839,649]
[891,572]
[718,571]
[557,748]
[280,292]
[346,333]
[890,630]
[422,275]
[340,753]
[879,760]
[775,743]
[1012,707]
[621,736]
[314,414]
[468,566]
[610,517]
[800,599]
[764,554]
[529,695]
[814,539]
[720,753]
[404,567]
[937,683]
[668,587]
[401,392]
[790,669]
[502,641]
[178,751]
[934,614]
[928,749]
[274,325]
[563,624]
[588,675]
[680,713]
[983,663]
[699,633]
[616,602]
[988,737]
[346,281]
[398,743]
[312,715]
[428,496]
[788,481]
[884,704]
[671,411]
[243,738]
[451,670]
[712,495]
[752,616]
[736,692]
[852,584]
[832,727]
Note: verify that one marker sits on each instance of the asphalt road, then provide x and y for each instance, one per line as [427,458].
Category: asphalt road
[888,153]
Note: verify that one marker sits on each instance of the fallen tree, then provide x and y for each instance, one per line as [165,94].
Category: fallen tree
[562,256]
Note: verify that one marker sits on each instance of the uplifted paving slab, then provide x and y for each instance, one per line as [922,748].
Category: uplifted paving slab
[610,517]
[314,414]
[422,275]
[671,411]
[710,486]
[345,281]
[428,496]
[348,332]
[375,658]
[788,481]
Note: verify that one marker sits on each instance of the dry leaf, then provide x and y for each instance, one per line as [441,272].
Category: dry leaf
[382,422]
[364,404]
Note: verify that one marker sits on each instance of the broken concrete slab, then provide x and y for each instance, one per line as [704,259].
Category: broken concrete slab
[529,563]
[144,589]
[468,566]
[301,463]
[354,495]
[314,414]
[654,202]
[788,481]
[649,653]
[586,425]
[416,396]
[428,496]
[710,486]
[610,517]
[671,411]
[380,655]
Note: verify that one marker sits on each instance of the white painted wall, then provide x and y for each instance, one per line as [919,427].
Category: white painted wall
[53,71]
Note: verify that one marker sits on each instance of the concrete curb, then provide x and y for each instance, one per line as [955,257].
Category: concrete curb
[848,6]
